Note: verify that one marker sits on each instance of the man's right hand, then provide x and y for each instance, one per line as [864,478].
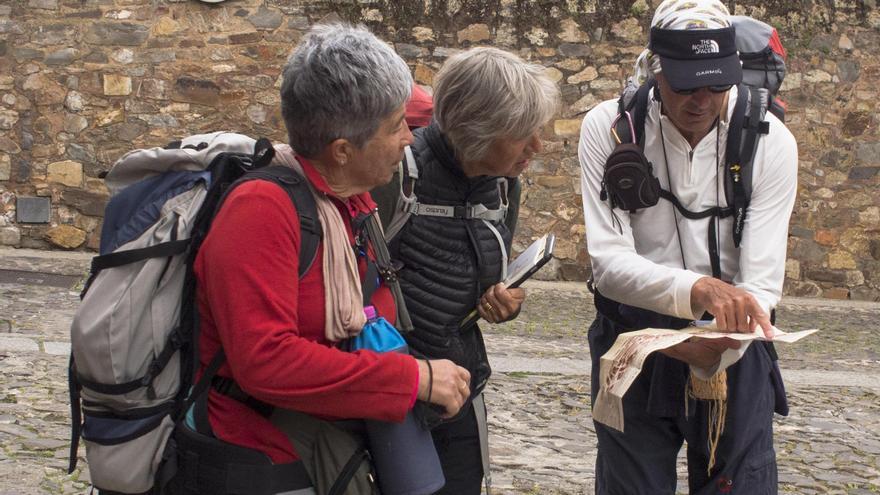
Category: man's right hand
[735,310]
[701,353]
[450,385]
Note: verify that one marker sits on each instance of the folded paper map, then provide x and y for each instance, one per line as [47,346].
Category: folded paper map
[620,366]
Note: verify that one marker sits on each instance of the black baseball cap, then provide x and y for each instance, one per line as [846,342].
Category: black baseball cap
[695,58]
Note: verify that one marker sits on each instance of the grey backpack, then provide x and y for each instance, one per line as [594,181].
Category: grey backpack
[132,362]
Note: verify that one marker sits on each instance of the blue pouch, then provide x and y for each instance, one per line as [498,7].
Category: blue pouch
[377,335]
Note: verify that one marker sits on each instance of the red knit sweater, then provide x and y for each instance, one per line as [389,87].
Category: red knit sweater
[271,324]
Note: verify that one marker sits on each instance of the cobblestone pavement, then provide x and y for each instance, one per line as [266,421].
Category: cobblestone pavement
[541,430]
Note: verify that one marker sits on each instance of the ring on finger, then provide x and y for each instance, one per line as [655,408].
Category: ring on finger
[487,306]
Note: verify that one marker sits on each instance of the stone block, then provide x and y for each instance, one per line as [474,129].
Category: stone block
[423,74]
[32,210]
[863,173]
[5,167]
[43,4]
[571,33]
[553,181]
[62,57]
[266,18]
[422,34]
[864,294]
[870,216]
[74,101]
[583,76]
[112,116]
[25,54]
[604,83]
[537,36]
[83,153]
[827,237]
[444,52]
[583,105]
[8,118]
[826,275]
[575,272]
[407,51]
[841,260]
[802,289]
[475,33]
[19,344]
[117,85]
[854,278]
[74,124]
[567,127]
[57,348]
[55,34]
[85,202]
[66,236]
[847,70]
[117,33]
[836,293]
[9,146]
[553,73]
[793,269]
[165,26]
[575,50]
[10,236]
[190,90]
[67,172]
[570,64]
[245,38]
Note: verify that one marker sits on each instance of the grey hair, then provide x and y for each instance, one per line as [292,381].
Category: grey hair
[484,93]
[340,82]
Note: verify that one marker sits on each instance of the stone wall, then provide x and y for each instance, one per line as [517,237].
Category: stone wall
[82,81]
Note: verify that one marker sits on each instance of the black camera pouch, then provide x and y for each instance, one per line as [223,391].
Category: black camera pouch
[629,180]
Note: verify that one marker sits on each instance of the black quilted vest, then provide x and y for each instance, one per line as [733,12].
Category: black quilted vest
[448,262]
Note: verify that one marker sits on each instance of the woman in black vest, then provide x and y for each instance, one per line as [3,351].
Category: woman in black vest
[489,109]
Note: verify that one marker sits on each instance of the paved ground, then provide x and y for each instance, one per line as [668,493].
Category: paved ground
[542,438]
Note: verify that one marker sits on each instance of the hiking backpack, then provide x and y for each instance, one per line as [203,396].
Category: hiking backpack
[134,335]
[628,181]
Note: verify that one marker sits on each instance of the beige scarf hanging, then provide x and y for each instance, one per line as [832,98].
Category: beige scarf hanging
[343,296]
[713,390]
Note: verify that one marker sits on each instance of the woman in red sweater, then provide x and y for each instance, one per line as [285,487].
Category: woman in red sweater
[342,99]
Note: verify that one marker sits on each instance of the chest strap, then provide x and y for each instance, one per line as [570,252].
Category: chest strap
[410,204]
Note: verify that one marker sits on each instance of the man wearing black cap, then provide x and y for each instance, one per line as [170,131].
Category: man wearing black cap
[653,267]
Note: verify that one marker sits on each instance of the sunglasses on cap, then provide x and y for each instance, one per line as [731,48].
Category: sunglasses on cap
[712,89]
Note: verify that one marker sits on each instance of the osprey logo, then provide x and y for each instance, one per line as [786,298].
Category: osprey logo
[705,47]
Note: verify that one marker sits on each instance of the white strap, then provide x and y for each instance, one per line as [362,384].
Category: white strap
[411,163]
[405,202]
[501,246]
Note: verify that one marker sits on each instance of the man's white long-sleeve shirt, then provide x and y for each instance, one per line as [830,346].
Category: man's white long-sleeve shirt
[636,259]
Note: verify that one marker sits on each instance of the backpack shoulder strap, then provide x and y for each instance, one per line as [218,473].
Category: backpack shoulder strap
[297,189]
[746,126]
[632,109]
[408,171]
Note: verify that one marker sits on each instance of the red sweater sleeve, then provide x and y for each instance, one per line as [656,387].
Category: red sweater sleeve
[247,271]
